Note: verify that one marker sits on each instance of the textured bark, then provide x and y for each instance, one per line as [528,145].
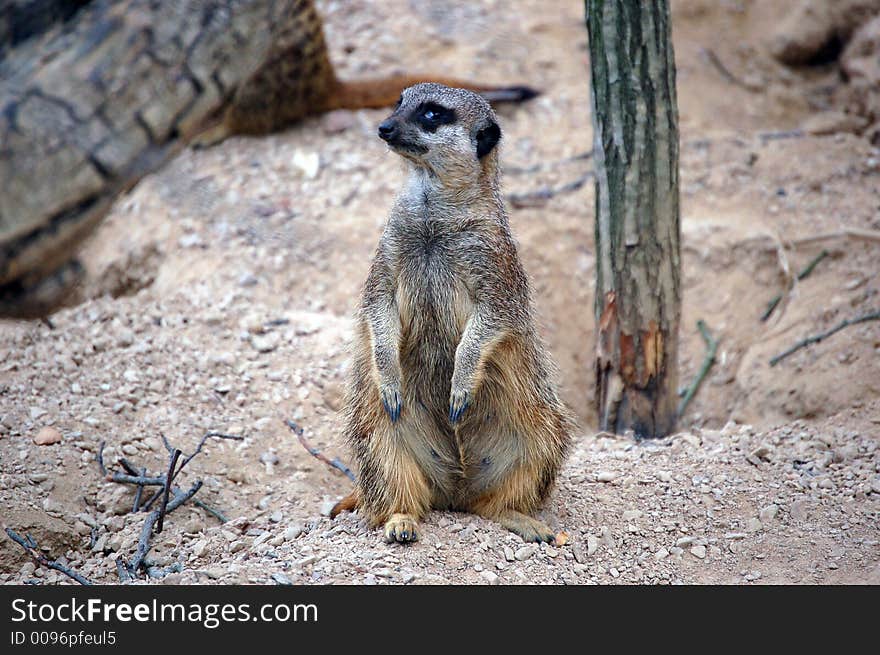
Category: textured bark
[638,265]
[92,100]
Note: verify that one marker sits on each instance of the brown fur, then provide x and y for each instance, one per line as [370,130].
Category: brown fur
[297,80]
[445,333]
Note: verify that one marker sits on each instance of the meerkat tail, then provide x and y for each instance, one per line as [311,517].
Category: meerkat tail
[384,92]
[347,504]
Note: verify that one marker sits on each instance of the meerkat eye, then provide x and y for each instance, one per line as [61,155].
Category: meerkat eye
[431,116]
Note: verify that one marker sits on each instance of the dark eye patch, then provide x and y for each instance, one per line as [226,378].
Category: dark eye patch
[430,116]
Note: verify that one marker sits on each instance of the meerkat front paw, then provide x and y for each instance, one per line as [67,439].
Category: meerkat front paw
[459,401]
[392,400]
[402,528]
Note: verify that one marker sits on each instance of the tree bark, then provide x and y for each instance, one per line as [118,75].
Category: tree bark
[93,100]
[638,257]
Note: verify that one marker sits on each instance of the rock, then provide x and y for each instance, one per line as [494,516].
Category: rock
[37,412]
[47,436]
[753,525]
[269,458]
[199,548]
[592,545]
[281,579]
[490,577]
[606,476]
[799,510]
[293,531]
[661,554]
[664,476]
[684,542]
[767,514]
[265,343]
[508,554]
[276,516]
[524,553]
[631,515]
[215,572]
[409,576]
[309,163]
[699,551]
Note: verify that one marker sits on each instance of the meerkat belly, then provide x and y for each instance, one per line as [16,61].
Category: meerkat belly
[434,307]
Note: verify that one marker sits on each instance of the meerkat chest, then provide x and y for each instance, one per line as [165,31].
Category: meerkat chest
[433,289]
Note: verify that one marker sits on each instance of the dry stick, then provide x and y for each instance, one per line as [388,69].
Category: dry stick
[725,72]
[873,316]
[146,531]
[534,168]
[539,197]
[335,463]
[100,458]
[711,349]
[31,548]
[803,274]
[171,472]
[851,232]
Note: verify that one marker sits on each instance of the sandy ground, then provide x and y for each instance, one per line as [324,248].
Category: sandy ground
[222,289]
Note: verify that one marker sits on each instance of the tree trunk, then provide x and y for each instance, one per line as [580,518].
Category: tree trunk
[94,99]
[638,257]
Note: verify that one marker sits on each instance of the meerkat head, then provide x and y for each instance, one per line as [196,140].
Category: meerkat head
[451,132]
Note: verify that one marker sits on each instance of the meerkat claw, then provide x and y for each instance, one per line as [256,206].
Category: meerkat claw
[458,404]
[392,403]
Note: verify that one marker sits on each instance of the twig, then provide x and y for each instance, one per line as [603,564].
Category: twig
[725,72]
[147,529]
[209,435]
[803,274]
[335,463]
[539,197]
[851,232]
[217,514]
[167,490]
[30,546]
[540,166]
[100,458]
[711,349]
[873,316]
[140,480]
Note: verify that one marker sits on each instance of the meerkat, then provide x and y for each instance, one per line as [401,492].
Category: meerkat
[451,402]
[298,80]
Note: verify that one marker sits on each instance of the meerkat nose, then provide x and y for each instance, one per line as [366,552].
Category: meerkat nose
[388,129]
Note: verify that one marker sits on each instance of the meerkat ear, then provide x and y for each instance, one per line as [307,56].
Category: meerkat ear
[487,139]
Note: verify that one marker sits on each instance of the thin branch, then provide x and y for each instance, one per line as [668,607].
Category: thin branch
[708,360]
[542,166]
[335,463]
[541,196]
[848,232]
[209,435]
[100,458]
[169,477]
[147,529]
[802,275]
[137,494]
[873,316]
[31,548]
[716,62]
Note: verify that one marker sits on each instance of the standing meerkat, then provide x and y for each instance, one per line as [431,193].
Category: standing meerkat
[451,403]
